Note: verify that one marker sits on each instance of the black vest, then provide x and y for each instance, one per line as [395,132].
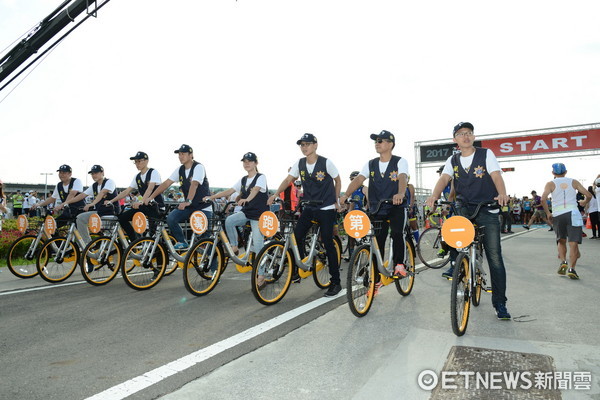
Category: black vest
[100,207]
[383,187]
[143,186]
[254,208]
[63,195]
[201,192]
[476,185]
[318,185]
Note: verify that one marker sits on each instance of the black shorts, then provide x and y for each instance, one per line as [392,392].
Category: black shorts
[564,228]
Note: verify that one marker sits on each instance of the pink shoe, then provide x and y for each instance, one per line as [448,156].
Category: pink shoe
[378,285]
[400,270]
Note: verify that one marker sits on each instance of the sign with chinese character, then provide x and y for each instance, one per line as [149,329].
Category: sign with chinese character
[22,223]
[139,222]
[199,222]
[49,225]
[94,223]
[458,232]
[357,224]
[268,224]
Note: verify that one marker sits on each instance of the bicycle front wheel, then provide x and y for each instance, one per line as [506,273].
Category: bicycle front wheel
[201,273]
[360,285]
[460,303]
[100,261]
[57,260]
[272,273]
[22,255]
[431,250]
[405,284]
[143,265]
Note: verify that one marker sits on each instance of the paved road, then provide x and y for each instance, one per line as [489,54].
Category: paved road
[76,341]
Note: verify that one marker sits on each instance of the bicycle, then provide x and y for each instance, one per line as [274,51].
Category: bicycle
[145,261]
[360,288]
[275,261]
[431,248]
[208,258]
[26,248]
[59,256]
[468,278]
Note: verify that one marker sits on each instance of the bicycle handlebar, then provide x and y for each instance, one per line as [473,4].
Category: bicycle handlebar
[493,204]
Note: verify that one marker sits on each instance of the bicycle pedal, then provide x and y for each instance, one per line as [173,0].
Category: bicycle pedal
[487,289]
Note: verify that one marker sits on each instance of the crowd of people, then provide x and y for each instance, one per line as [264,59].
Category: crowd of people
[468,177]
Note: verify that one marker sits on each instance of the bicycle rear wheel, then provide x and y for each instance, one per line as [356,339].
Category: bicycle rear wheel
[142,267]
[460,303]
[360,284]
[172,263]
[201,273]
[100,261]
[321,274]
[405,284]
[57,260]
[431,250]
[21,257]
[275,267]
[477,289]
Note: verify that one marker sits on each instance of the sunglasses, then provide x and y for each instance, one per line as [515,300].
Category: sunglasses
[382,140]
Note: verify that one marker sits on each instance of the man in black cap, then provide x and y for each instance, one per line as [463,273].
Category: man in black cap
[320,182]
[145,182]
[102,189]
[388,179]
[477,177]
[65,191]
[191,175]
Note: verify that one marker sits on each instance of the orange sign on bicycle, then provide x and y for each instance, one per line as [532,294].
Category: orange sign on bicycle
[357,224]
[139,222]
[49,225]
[95,223]
[268,224]
[458,232]
[22,223]
[199,222]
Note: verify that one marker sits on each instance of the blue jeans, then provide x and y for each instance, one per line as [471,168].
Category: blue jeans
[176,216]
[239,219]
[492,248]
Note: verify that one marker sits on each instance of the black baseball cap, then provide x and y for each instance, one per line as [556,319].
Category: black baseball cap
[308,138]
[384,135]
[139,156]
[64,168]
[250,156]
[96,168]
[184,148]
[463,125]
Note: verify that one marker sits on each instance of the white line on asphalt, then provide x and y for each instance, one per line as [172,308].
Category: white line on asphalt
[141,382]
[41,288]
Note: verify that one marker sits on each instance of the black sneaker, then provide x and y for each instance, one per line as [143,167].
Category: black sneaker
[550,230]
[448,274]
[333,290]
[526,227]
[501,312]
[572,274]
[296,278]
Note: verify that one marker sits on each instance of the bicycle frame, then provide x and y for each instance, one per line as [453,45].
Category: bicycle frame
[292,244]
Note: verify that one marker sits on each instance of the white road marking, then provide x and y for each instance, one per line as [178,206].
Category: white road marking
[141,382]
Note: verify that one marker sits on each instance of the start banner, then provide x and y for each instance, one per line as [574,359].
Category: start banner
[549,143]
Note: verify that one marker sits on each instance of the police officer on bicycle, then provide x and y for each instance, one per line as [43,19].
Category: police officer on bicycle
[388,178]
[145,182]
[320,182]
[477,177]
